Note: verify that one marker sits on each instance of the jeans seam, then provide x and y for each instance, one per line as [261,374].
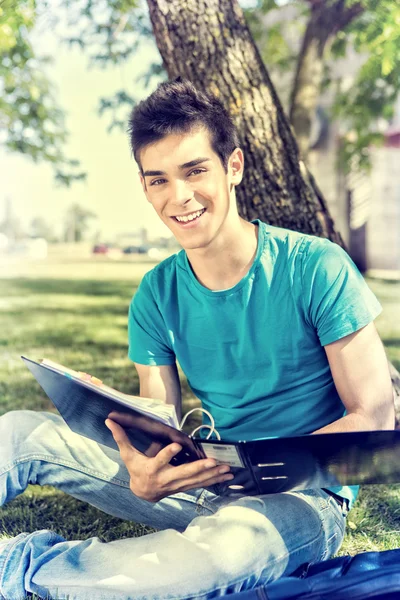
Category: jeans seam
[300,548]
[64,463]
[339,524]
[202,504]
[340,519]
[324,505]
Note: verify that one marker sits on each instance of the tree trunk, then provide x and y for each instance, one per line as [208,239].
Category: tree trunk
[208,42]
[325,21]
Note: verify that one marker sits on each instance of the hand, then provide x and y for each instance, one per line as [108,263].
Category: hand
[152,479]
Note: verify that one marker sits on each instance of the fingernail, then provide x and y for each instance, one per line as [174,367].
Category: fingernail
[224,469]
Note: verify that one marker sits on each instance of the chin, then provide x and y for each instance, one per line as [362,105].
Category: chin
[193,244]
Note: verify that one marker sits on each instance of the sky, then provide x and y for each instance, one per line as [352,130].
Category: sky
[112,189]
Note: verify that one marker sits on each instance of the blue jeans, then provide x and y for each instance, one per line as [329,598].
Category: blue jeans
[207,545]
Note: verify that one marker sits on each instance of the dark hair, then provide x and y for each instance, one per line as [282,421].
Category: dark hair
[178,107]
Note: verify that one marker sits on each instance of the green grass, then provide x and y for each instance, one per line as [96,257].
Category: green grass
[82,323]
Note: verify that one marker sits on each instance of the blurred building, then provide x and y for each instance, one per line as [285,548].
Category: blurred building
[138,237]
[365,208]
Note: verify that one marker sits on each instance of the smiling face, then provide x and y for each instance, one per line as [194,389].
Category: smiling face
[185,182]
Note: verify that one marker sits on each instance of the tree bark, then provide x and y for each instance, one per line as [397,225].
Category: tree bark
[209,43]
[325,21]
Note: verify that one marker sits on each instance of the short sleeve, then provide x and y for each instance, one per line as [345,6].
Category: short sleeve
[337,300]
[148,342]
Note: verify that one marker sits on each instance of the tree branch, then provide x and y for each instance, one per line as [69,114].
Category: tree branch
[350,14]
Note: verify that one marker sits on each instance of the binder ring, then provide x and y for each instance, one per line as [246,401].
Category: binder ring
[210,427]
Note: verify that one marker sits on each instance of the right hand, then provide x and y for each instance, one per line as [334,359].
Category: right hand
[152,479]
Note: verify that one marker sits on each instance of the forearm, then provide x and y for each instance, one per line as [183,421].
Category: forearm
[175,401]
[178,408]
[161,383]
[361,375]
[361,422]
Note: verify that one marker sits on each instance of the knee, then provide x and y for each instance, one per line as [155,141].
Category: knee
[243,541]
[18,428]
[16,420]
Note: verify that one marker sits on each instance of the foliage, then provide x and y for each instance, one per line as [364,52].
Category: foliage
[77,223]
[371,97]
[365,105]
[112,31]
[109,30]
[11,226]
[40,228]
[31,122]
[273,41]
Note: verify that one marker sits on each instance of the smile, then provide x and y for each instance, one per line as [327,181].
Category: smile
[191,217]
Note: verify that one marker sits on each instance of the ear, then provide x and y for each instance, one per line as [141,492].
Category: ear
[236,166]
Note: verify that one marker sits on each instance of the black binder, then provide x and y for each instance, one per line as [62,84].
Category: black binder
[263,466]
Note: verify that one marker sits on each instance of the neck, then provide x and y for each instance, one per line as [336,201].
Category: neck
[224,263]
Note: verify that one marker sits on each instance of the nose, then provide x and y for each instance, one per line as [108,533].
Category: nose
[182,192]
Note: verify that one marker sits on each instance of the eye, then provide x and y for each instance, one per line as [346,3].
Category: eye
[161,181]
[156,182]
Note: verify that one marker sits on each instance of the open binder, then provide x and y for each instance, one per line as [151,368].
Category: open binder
[262,466]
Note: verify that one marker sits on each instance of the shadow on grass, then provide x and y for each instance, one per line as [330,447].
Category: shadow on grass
[71,286]
[40,508]
[117,309]
[26,396]
[391,342]
[390,282]
[68,339]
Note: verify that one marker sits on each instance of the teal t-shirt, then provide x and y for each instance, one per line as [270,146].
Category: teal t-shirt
[253,354]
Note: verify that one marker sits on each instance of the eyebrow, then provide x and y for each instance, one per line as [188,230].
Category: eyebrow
[191,163]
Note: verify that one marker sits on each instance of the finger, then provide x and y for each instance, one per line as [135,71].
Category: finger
[124,419]
[165,455]
[197,467]
[200,478]
[195,483]
[119,435]
[176,477]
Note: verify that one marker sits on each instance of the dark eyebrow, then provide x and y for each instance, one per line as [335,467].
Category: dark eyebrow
[192,163]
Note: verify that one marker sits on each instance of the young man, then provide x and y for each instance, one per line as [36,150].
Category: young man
[274,331]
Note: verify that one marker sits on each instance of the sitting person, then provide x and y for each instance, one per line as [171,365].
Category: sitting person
[274,332]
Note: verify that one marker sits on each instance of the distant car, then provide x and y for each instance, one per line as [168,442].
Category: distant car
[110,250]
[101,249]
[135,250]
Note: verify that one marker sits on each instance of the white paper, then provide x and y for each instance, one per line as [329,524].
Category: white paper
[226,454]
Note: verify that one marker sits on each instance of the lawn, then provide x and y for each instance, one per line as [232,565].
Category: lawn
[80,321]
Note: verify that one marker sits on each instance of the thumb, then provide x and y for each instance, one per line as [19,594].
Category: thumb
[119,435]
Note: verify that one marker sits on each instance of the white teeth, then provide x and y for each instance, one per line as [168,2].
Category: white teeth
[188,218]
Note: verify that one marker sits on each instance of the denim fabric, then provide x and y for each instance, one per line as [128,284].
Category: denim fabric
[207,545]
